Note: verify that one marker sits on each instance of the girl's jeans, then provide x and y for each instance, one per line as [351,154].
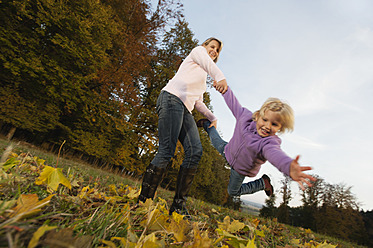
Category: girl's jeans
[175,123]
[235,186]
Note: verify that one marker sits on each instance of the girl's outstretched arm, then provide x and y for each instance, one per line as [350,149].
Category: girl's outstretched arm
[296,173]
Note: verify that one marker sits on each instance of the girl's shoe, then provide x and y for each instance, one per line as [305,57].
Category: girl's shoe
[268,188]
[201,122]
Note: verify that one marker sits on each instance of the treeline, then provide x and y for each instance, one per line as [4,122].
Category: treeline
[87,74]
[330,209]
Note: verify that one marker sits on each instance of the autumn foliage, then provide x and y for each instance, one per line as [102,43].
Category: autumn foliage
[43,205]
[80,71]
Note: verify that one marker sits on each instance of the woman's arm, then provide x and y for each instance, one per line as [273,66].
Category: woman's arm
[199,56]
[202,108]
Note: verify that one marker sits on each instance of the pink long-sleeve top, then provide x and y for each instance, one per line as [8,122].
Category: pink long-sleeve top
[189,83]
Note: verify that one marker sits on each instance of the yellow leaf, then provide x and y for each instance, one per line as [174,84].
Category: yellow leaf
[52,177]
[214,211]
[177,217]
[28,205]
[40,232]
[39,161]
[156,221]
[150,241]
[108,243]
[133,193]
[225,224]
[228,235]
[124,242]
[235,226]
[255,222]
[179,227]
[295,242]
[260,233]
[200,241]
[10,163]
[251,243]
[325,245]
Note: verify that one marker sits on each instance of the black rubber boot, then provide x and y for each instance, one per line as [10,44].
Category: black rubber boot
[152,177]
[184,183]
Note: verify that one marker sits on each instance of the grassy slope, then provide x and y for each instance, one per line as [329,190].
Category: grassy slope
[99,211]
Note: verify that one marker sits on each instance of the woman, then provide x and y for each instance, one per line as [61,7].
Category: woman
[178,98]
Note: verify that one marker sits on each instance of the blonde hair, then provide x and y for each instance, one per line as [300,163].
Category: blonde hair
[284,111]
[206,42]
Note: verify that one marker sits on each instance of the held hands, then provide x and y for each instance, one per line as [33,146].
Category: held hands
[296,173]
[221,86]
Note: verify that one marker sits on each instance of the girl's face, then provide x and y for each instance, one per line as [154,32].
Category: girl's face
[212,49]
[269,124]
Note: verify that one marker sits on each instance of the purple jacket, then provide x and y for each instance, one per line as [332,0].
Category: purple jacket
[247,150]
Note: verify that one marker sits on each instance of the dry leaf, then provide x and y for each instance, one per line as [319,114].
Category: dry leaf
[52,177]
[28,205]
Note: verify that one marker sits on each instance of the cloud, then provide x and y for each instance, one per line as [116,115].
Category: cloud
[304,143]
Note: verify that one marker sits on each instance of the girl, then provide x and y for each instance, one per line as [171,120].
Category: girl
[255,141]
[174,108]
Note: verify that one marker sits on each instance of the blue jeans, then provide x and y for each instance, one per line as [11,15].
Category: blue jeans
[235,186]
[175,123]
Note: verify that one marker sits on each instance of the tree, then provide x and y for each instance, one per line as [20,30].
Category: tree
[311,198]
[51,52]
[269,210]
[338,215]
[283,213]
[368,222]
[73,70]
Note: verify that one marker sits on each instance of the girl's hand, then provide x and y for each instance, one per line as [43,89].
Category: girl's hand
[214,124]
[221,86]
[296,173]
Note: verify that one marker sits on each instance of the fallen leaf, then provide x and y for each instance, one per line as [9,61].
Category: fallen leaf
[10,163]
[52,177]
[65,238]
[28,205]
[40,232]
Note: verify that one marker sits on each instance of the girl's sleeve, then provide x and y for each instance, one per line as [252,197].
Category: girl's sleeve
[276,156]
[202,108]
[233,103]
[200,56]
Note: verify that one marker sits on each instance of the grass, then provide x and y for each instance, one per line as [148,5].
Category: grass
[100,211]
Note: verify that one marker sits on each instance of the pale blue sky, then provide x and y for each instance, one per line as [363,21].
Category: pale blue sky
[318,56]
